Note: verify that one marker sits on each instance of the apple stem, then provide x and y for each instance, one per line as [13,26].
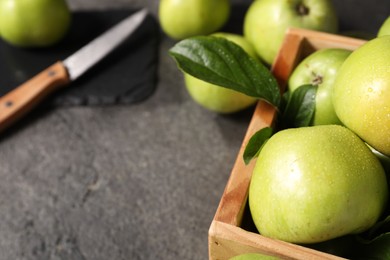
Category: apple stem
[302,9]
[317,80]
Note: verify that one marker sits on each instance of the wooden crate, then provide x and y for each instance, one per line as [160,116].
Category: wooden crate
[231,233]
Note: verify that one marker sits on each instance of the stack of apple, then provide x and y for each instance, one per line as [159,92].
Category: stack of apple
[34,23]
[321,174]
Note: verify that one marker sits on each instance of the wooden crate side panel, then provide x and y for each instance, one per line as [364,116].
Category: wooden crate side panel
[234,197]
[320,40]
[226,241]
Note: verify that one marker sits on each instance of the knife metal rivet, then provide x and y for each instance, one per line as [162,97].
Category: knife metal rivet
[9,103]
[51,73]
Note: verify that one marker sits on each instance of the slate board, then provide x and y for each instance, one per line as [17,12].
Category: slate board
[128,75]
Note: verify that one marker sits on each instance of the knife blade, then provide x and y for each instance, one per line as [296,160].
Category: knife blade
[18,102]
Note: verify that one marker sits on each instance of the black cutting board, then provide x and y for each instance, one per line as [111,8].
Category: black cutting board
[125,76]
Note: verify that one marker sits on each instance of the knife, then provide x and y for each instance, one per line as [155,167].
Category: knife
[25,97]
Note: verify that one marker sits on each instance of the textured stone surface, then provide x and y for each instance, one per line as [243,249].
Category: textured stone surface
[121,182]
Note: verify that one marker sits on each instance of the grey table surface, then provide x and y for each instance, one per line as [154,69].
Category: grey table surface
[125,182]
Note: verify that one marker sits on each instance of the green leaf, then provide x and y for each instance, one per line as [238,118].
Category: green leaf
[285,98]
[300,107]
[380,227]
[255,143]
[356,247]
[224,63]
[378,248]
[373,244]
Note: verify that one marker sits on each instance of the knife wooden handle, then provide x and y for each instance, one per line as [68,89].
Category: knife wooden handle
[22,99]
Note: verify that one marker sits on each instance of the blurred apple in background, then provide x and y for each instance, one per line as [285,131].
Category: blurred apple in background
[34,23]
[181,19]
[266,22]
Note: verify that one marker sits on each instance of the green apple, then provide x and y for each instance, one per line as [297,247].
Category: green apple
[216,98]
[313,184]
[320,69]
[361,93]
[266,22]
[34,23]
[385,28]
[181,19]
[253,256]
